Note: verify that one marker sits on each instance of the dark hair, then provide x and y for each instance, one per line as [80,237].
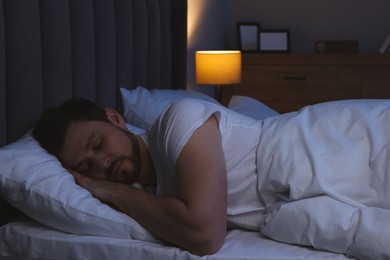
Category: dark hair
[51,128]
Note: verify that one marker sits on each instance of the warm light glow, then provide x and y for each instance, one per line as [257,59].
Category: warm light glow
[218,67]
[196,11]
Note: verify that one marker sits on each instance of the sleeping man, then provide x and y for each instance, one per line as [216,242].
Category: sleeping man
[316,177]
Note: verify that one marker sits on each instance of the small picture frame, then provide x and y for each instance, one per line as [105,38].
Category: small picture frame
[385,48]
[274,41]
[248,36]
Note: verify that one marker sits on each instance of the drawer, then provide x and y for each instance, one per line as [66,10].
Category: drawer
[375,82]
[302,83]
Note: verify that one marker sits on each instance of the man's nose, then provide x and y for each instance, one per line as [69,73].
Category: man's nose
[103,160]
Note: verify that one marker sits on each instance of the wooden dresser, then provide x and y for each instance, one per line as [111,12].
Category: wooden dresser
[287,82]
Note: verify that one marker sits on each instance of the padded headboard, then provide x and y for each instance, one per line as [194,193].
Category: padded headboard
[51,50]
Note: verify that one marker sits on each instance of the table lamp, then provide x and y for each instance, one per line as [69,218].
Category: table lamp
[218,68]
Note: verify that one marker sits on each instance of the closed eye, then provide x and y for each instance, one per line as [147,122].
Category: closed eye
[97,144]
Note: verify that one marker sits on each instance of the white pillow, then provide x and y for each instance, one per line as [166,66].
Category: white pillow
[141,106]
[34,182]
[251,107]
[135,130]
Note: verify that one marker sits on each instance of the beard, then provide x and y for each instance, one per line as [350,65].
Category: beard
[128,176]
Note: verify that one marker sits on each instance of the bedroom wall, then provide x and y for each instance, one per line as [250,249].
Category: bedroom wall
[212,24]
[308,21]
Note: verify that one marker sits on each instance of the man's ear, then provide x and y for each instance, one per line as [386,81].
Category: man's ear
[115,118]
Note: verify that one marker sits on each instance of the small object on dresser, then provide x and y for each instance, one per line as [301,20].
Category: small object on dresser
[336,46]
[274,41]
[385,48]
[248,36]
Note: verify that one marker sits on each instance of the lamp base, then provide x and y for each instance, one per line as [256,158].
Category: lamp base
[218,93]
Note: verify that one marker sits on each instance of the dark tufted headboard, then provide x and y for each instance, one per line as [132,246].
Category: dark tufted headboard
[51,50]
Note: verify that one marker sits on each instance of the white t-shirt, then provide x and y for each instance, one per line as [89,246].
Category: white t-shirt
[168,135]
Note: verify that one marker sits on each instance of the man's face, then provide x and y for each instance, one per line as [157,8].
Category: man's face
[101,150]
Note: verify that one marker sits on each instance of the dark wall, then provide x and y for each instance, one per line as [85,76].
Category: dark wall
[367,21]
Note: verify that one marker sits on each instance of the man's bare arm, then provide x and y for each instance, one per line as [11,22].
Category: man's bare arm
[196,219]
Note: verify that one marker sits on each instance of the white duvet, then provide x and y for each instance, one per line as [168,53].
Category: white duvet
[324,176]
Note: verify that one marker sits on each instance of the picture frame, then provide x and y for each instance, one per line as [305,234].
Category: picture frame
[385,47]
[272,41]
[248,36]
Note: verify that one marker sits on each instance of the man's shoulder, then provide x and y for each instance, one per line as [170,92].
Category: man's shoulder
[191,106]
[185,114]
[191,102]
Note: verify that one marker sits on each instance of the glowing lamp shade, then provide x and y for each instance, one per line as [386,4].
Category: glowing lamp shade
[218,67]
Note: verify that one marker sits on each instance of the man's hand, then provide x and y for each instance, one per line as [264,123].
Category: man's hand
[98,188]
[78,177]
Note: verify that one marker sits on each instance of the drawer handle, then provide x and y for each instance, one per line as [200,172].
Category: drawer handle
[294,78]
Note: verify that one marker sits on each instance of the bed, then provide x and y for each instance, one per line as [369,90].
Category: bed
[126,54]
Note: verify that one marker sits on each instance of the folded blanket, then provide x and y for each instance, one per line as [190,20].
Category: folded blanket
[328,224]
[332,162]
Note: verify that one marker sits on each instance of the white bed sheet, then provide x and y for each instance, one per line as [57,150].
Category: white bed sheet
[26,238]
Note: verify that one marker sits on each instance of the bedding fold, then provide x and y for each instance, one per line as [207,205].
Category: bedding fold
[326,166]
[328,224]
